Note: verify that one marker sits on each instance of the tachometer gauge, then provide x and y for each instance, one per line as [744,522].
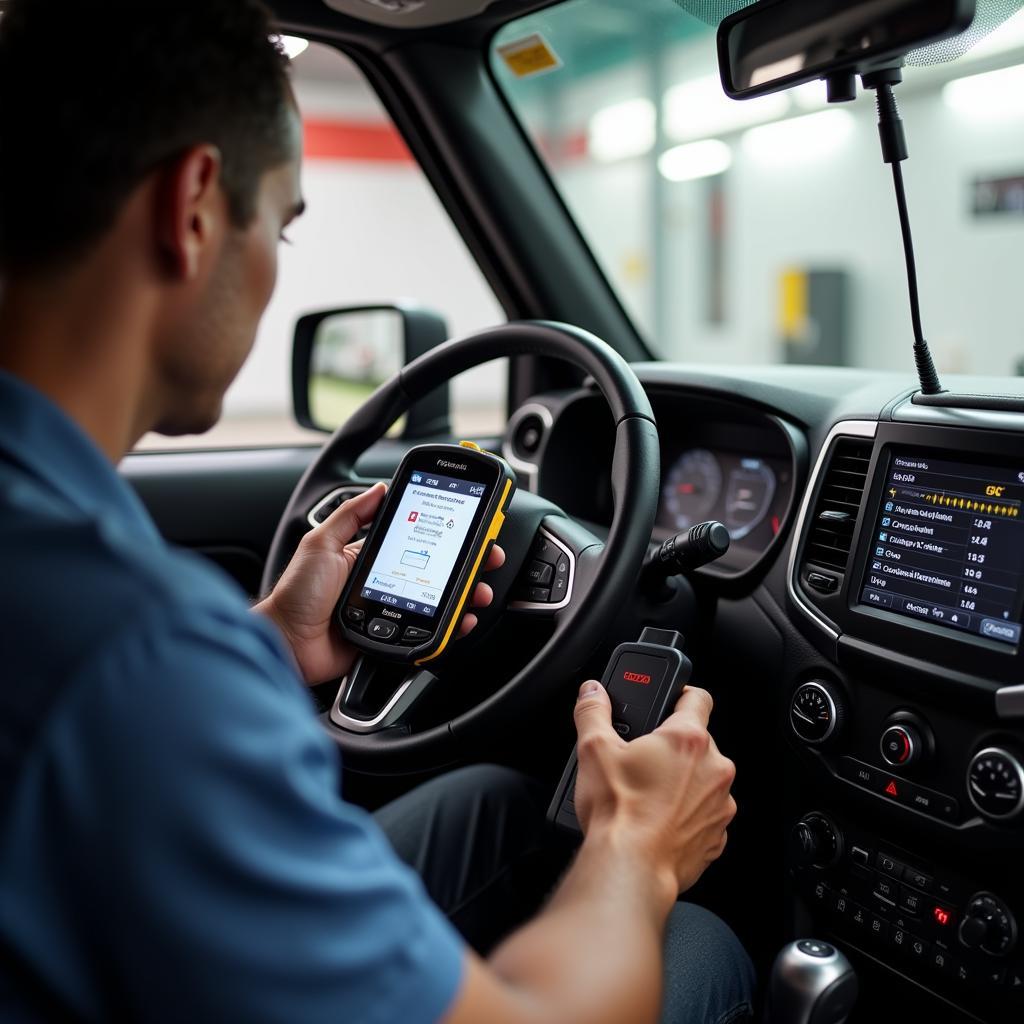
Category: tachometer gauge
[692,488]
[749,496]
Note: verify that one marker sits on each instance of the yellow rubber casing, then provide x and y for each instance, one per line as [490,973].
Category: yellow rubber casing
[492,534]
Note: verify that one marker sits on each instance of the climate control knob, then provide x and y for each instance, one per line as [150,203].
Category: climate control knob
[901,745]
[815,842]
[988,925]
[995,783]
[816,712]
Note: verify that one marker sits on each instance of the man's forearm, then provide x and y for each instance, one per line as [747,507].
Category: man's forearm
[594,955]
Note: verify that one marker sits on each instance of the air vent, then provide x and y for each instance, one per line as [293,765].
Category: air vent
[528,435]
[831,532]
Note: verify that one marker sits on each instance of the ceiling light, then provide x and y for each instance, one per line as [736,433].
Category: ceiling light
[292,45]
[991,96]
[622,130]
[801,138]
[699,108]
[695,160]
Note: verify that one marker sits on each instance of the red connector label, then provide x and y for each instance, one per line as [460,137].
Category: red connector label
[636,677]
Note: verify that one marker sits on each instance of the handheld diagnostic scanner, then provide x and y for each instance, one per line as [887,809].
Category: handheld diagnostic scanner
[416,571]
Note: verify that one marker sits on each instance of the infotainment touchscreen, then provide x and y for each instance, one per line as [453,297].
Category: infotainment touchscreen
[948,545]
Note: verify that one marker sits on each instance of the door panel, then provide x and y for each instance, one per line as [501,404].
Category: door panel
[226,505]
[222,504]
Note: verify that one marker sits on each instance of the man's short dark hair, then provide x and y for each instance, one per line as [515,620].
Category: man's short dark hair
[96,95]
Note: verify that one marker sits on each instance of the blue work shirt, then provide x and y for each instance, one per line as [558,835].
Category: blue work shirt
[173,845]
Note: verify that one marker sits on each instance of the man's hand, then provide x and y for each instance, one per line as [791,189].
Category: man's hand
[655,813]
[668,791]
[303,601]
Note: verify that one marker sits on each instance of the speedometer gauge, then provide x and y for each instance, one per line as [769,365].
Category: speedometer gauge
[692,488]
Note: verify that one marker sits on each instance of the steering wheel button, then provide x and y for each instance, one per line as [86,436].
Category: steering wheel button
[540,573]
[545,551]
[539,595]
[382,629]
[562,568]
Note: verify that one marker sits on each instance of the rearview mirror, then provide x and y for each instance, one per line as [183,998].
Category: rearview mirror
[340,356]
[779,44]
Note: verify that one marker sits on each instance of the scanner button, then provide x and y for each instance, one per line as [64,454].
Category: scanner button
[540,573]
[415,633]
[381,629]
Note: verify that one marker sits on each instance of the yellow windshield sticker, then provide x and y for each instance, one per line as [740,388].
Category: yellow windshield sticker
[529,56]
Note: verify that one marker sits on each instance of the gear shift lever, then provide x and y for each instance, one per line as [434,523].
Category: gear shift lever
[812,983]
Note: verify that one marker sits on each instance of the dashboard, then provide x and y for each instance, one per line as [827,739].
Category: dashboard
[876,578]
[720,461]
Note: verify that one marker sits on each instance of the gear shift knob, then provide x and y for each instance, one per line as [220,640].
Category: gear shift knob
[812,983]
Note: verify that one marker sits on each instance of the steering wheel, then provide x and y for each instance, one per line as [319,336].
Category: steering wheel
[601,576]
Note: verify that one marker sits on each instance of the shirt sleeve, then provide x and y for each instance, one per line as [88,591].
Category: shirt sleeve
[218,874]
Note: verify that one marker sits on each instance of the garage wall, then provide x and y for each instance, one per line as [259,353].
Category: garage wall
[374,231]
[806,206]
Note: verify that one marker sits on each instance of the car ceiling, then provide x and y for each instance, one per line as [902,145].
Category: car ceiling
[351,17]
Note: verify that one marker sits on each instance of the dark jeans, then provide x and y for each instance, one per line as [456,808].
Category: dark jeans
[478,839]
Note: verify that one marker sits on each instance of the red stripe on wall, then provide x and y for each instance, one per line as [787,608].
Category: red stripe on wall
[354,140]
[563,148]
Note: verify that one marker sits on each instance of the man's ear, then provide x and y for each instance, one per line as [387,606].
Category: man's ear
[191,210]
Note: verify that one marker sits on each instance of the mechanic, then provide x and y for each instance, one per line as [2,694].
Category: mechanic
[173,843]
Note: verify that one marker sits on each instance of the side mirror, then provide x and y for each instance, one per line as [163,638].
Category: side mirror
[779,44]
[339,356]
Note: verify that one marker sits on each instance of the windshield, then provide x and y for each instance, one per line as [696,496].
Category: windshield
[766,230]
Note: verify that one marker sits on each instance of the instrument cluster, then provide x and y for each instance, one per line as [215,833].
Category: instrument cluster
[736,489]
[720,460]
[747,489]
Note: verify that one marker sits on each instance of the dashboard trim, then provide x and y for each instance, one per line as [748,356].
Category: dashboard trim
[844,428]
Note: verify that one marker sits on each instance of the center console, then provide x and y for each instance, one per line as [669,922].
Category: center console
[906,732]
